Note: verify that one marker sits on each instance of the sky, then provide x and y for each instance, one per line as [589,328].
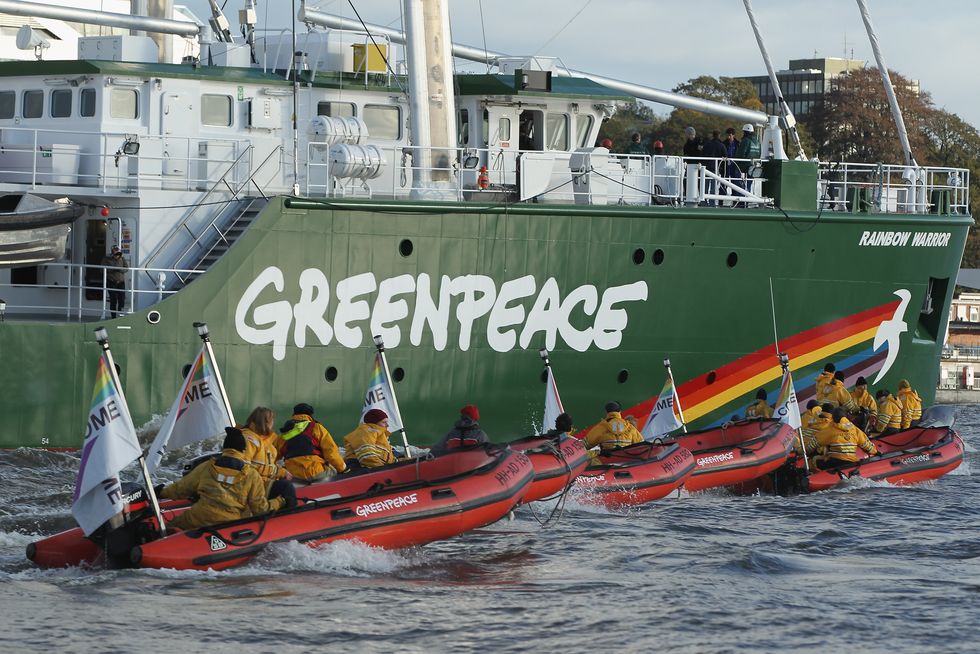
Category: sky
[661,43]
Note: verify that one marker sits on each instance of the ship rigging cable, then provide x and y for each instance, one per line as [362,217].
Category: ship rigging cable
[563,28]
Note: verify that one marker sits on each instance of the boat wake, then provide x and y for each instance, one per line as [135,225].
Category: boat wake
[343,558]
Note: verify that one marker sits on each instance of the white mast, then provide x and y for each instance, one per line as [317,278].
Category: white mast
[431,93]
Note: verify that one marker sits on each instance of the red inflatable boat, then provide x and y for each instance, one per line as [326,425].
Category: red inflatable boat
[908,457]
[737,452]
[405,504]
[555,466]
[638,473]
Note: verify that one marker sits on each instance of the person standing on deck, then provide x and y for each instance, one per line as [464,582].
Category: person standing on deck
[115,280]
[693,146]
[714,149]
[636,147]
[911,404]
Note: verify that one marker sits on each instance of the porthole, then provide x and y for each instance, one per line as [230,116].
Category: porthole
[186,371]
[623,375]
[331,374]
[732,259]
[398,374]
[153,317]
[712,376]
[405,248]
[639,256]
[658,257]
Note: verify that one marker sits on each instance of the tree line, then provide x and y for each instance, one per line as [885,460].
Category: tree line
[852,122]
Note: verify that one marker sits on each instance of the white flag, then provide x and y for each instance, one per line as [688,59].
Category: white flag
[552,402]
[380,395]
[110,445]
[663,416]
[199,412]
[787,408]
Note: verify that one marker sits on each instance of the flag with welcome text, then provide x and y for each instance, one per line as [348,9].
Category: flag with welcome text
[110,445]
[787,408]
[663,417]
[199,412]
[381,395]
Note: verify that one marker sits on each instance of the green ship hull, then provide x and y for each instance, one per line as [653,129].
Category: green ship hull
[465,295]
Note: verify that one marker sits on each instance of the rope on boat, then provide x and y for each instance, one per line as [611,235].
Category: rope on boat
[559,509]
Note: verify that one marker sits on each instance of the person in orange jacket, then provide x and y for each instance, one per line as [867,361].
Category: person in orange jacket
[261,449]
[612,432]
[837,394]
[226,488]
[911,404]
[839,441]
[889,414]
[824,378]
[307,448]
[809,426]
[760,409]
[368,445]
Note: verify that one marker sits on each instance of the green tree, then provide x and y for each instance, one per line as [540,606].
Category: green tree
[854,123]
[628,119]
[727,90]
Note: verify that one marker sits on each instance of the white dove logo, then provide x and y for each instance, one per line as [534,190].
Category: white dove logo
[890,332]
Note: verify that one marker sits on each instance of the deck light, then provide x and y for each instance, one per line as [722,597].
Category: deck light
[3,309]
[202,330]
[102,336]
[666,362]
[379,342]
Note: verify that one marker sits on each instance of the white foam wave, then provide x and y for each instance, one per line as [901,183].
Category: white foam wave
[12,539]
[962,469]
[345,557]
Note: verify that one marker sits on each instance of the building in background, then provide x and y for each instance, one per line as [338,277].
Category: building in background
[805,82]
[960,364]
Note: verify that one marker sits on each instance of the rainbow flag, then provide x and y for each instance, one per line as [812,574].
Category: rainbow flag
[110,445]
[199,412]
[663,416]
[381,395]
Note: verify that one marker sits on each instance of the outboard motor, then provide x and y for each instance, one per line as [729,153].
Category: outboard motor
[127,529]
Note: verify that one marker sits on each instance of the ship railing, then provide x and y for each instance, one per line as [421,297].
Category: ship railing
[117,161]
[585,176]
[890,188]
[80,292]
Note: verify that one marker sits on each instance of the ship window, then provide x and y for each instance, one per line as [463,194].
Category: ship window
[383,121]
[61,103]
[8,102]
[583,128]
[123,104]
[463,127]
[86,103]
[216,110]
[341,109]
[557,128]
[503,129]
[33,104]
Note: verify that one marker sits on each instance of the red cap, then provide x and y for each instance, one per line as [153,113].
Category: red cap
[658,144]
[606,143]
[471,412]
[374,416]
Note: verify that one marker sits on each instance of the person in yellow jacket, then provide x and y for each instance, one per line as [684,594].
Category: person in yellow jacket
[836,393]
[760,408]
[368,445]
[261,447]
[824,378]
[889,414]
[809,427]
[612,432]
[226,488]
[308,450]
[865,404]
[911,404]
[839,441]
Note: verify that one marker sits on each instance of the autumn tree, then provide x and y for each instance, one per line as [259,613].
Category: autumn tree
[726,90]
[854,122]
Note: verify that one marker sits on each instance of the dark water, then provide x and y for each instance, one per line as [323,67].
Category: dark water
[867,568]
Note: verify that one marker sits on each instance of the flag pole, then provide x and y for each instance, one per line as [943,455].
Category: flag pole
[784,364]
[380,344]
[680,411]
[772,303]
[102,336]
[202,331]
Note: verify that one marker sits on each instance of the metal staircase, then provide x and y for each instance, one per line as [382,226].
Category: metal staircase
[243,212]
